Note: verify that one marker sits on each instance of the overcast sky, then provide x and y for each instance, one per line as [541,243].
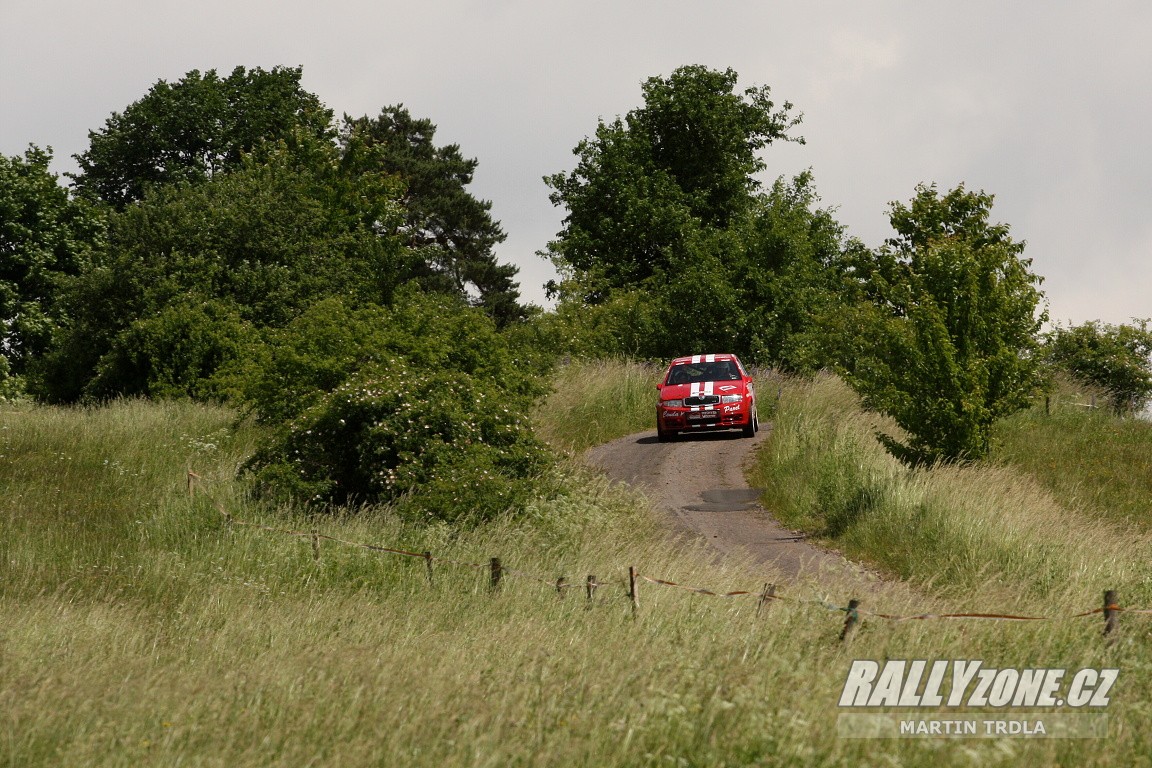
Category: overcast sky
[1048,106]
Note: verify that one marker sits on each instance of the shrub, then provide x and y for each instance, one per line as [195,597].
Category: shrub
[443,445]
[329,343]
[11,387]
[1115,357]
[173,352]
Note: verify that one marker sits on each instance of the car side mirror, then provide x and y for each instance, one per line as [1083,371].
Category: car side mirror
[659,386]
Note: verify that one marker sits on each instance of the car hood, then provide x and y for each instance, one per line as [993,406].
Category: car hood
[681,391]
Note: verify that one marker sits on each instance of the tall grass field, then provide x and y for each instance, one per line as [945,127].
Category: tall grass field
[138,627]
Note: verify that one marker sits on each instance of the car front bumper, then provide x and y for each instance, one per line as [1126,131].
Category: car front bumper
[727,416]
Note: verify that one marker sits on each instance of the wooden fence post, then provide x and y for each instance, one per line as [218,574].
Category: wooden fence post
[590,589]
[497,572]
[632,596]
[1110,613]
[561,585]
[316,545]
[852,620]
[428,563]
[768,593]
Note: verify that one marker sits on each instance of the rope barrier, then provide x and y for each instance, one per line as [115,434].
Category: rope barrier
[698,590]
[998,616]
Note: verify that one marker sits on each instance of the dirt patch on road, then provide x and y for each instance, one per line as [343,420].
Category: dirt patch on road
[698,484]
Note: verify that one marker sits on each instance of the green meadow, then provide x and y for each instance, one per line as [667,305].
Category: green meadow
[141,628]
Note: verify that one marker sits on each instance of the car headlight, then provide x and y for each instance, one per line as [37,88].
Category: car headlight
[672,403]
[732,398]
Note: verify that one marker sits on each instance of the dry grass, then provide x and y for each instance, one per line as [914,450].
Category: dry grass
[138,629]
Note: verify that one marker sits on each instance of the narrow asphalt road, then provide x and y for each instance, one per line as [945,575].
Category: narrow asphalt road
[698,483]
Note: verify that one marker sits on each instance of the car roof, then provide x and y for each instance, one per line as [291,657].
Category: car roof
[703,358]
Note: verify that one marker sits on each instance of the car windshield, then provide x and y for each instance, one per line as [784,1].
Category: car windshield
[690,373]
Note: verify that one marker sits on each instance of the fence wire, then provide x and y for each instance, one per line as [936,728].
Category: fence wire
[768,594]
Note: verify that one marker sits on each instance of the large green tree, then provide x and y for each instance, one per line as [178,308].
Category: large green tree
[789,275]
[236,205]
[671,246]
[190,270]
[45,237]
[945,337]
[195,128]
[645,186]
[452,230]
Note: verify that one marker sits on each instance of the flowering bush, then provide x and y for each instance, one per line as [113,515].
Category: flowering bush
[444,445]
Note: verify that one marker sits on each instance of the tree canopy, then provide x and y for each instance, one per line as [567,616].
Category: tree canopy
[245,250]
[670,237]
[45,237]
[645,185]
[696,128]
[190,130]
[235,205]
[452,230]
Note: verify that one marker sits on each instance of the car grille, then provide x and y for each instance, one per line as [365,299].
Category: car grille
[702,400]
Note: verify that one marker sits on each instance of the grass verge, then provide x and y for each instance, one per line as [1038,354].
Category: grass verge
[947,528]
[1092,460]
[595,401]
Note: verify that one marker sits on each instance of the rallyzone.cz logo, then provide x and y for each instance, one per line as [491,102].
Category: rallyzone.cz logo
[969,684]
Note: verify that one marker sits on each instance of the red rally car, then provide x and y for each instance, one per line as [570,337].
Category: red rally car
[705,392]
